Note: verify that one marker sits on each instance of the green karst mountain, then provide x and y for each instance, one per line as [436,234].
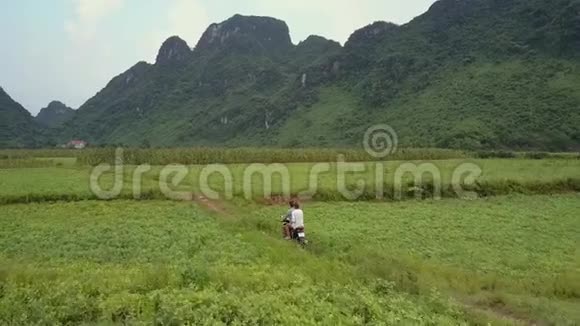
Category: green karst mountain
[473,74]
[17,127]
[54,115]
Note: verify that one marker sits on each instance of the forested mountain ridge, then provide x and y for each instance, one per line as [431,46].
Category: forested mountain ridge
[473,74]
[17,127]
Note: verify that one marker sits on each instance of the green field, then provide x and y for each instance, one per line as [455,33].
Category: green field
[170,263]
[506,249]
[498,175]
[66,258]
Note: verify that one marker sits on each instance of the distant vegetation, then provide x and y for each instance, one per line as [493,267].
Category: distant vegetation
[211,155]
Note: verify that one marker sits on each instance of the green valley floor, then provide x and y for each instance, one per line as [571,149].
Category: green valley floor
[505,260]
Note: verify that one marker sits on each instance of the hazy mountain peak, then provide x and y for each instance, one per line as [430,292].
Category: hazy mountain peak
[315,48]
[54,115]
[245,32]
[56,106]
[173,50]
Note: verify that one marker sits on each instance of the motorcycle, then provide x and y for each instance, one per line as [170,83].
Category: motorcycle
[299,235]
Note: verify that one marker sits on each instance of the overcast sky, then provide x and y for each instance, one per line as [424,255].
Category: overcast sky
[68,50]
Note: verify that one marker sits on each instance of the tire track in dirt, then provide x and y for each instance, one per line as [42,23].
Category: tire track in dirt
[214,206]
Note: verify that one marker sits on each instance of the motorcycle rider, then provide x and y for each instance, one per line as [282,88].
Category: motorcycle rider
[297,219]
[286,219]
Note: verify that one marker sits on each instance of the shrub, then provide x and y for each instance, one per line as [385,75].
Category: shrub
[495,154]
[538,155]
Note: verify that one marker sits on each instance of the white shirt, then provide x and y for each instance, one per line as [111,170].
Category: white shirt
[297,220]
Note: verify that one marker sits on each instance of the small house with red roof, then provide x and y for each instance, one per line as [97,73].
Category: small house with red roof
[77,144]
